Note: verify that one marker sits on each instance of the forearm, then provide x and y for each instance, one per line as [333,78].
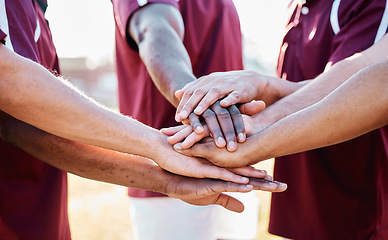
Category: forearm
[325,83]
[158,30]
[273,89]
[312,92]
[358,106]
[85,160]
[32,94]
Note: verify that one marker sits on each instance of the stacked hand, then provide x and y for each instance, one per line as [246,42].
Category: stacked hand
[211,191]
[216,111]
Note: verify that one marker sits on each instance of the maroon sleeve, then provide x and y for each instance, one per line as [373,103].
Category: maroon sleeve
[123,9]
[359,23]
[2,36]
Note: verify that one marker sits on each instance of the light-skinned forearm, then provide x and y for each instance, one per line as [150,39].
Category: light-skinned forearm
[358,106]
[32,94]
[158,30]
[325,83]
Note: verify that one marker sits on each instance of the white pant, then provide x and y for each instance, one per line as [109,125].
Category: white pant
[164,218]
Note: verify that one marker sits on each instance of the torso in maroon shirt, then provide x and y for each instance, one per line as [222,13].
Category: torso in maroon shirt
[33,195]
[337,192]
[212,39]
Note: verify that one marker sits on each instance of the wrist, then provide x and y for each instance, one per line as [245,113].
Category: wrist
[158,147]
[277,88]
[264,119]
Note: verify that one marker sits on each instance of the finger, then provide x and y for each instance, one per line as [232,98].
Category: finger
[202,150]
[232,99]
[172,130]
[179,93]
[193,138]
[214,127]
[252,108]
[229,203]
[189,103]
[181,135]
[209,99]
[225,122]
[209,151]
[249,171]
[269,178]
[237,123]
[196,123]
[267,185]
[186,96]
[206,169]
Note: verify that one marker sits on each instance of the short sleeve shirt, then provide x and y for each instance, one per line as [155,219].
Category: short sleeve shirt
[2,36]
[33,194]
[212,40]
[337,192]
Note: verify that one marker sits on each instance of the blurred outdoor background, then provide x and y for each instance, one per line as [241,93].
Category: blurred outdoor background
[83,32]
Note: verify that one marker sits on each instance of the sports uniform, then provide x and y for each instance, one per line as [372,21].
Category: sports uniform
[337,192]
[33,195]
[213,41]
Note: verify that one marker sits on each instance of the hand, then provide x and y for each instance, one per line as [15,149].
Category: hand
[237,86]
[224,125]
[183,165]
[220,156]
[189,137]
[208,191]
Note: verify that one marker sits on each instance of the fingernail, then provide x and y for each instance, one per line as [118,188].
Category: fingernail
[198,110]
[244,179]
[221,142]
[183,114]
[282,185]
[248,186]
[241,137]
[199,129]
[178,118]
[232,145]
[272,184]
[178,146]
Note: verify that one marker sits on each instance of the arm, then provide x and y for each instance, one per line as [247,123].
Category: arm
[300,131]
[124,169]
[158,31]
[325,83]
[32,94]
[358,106]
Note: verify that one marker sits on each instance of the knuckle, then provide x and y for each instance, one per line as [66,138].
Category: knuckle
[233,110]
[189,92]
[223,114]
[199,92]
[216,90]
[229,135]
[236,96]
[208,114]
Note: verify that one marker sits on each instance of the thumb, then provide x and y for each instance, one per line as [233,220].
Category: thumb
[229,203]
[252,108]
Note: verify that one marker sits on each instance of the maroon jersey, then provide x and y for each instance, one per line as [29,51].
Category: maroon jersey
[33,195]
[337,192]
[212,39]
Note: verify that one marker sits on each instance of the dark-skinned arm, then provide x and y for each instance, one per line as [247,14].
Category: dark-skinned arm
[158,31]
[124,169]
